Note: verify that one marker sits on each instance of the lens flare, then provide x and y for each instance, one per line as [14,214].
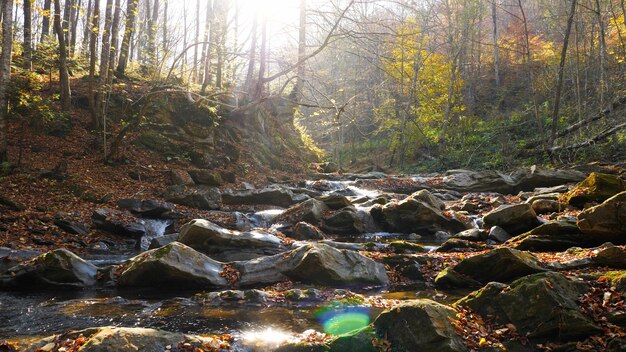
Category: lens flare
[343,320]
[267,339]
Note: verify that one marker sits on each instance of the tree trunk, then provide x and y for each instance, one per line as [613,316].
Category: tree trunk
[301,52]
[559,83]
[164,44]
[28,46]
[195,49]
[87,28]
[5,73]
[93,58]
[104,67]
[113,50]
[64,76]
[496,52]
[65,25]
[75,14]
[260,84]
[221,28]
[205,60]
[252,57]
[45,25]
[152,31]
[131,16]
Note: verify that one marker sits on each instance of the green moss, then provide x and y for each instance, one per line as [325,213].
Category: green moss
[595,188]
[403,246]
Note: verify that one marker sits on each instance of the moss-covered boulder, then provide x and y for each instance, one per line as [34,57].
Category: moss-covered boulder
[616,279]
[206,177]
[553,236]
[419,325]
[174,265]
[607,221]
[361,340]
[502,265]
[514,219]
[543,306]
[59,268]
[448,278]
[419,213]
[595,188]
[401,247]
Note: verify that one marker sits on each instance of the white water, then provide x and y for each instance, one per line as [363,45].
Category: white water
[154,228]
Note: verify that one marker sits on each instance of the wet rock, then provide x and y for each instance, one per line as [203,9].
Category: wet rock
[420,325]
[305,231]
[356,340]
[521,180]
[147,208]
[607,221]
[502,265]
[72,227]
[59,268]
[473,235]
[309,211]
[595,188]
[105,339]
[335,202]
[420,212]
[226,245]
[206,177]
[161,241]
[554,236]
[10,257]
[343,222]
[461,245]
[200,197]
[117,222]
[543,305]
[175,265]
[498,234]
[269,196]
[297,295]
[514,219]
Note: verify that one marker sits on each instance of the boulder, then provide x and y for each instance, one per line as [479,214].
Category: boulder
[448,278]
[610,256]
[59,268]
[418,213]
[120,339]
[502,265]
[180,177]
[308,211]
[461,245]
[164,240]
[595,188]
[269,196]
[607,221]
[147,208]
[206,177]
[514,219]
[118,223]
[473,235]
[305,231]
[420,325]
[200,197]
[498,234]
[227,245]
[343,222]
[428,198]
[545,206]
[174,265]
[553,236]
[328,167]
[543,306]
[335,201]
[525,179]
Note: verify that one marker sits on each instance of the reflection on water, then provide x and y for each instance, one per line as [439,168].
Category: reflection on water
[266,340]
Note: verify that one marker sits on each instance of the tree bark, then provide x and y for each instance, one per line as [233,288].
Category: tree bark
[45,25]
[114,49]
[28,45]
[195,75]
[496,51]
[64,76]
[5,73]
[93,58]
[205,60]
[131,16]
[559,83]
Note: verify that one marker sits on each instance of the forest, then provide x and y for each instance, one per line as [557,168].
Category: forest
[312,175]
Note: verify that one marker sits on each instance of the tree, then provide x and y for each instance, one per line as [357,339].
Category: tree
[64,76]
[5,73]
[28,46]
[45,26]
[131,16]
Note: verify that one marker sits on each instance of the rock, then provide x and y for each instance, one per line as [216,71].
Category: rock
[343,222]
[328,167]
[161,241]
[335,202]
[595,188]
[545,206]
[206,177]
[474,235]
[400,247]
[71,227]
[180,177]
[146,208]
[616,279]
[59,268]
[175,265]
[109,338]
[610,256]
[448,278]
[200,197]
[305,231]
[428,198]
[521,180]
[420,325]
[269,196]
[607,221]
[308,211]
[554,236]
[117,222]
[502,265]
[356,340]
[226,245]
[543,306]
[514,219]
[544,196]
[325,265]
[498,234]
[418,213]
[461,245]
[11,257]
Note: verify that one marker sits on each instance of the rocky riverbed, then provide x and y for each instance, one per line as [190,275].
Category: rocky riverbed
[462,261]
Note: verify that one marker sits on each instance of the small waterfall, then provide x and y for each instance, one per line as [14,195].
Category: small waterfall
[263,219]
[154,228]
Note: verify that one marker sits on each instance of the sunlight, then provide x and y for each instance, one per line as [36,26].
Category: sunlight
[269,338]
[273,10]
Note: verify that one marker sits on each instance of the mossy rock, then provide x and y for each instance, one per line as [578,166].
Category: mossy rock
[406,247]
[595,188]
[448,278]
[607,221]
[502,265]
[617,279]
[361,340]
